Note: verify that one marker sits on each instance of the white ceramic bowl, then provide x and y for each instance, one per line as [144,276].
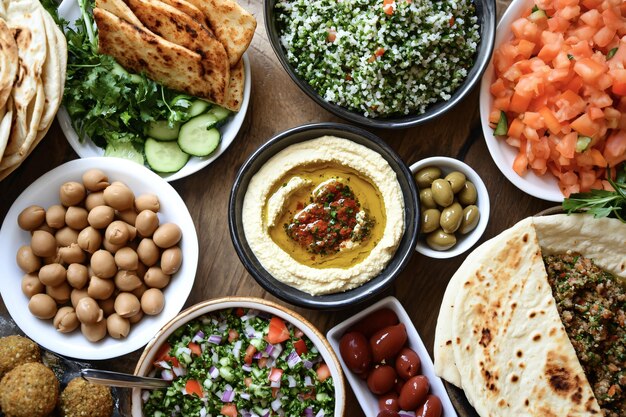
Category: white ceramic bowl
[544,187]
[463,242]
[369,401]
[70,11]
[45,192]
[145,363]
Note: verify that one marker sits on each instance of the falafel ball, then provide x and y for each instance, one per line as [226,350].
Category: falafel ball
[84,399]
[17,350]
[29,390]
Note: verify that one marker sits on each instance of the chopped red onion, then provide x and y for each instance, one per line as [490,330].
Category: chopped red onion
[278,349]
[163,364]
[237,348]
[308,364]
[167,375]
[308,412]
[270,363]
[215,339]
[179,371]
[213,372]
[292,381]
[320,413]
[245,396]
[293,359]
[307,381]
[228,396]
[246,367]
[275,384]
[203,412]
[257,355]
[269,348]
[276,404]
[198,337]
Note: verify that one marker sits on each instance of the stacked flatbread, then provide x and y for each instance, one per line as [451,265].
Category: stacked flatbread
[194,46]
[33,58]
[499,334]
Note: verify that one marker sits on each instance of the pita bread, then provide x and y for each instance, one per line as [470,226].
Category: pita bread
[5,172]
[8,62]
[5,126]
[142,51]
[188,8]
[232,25]
[121,10]
[499,335]
[234,93]
[51,77]
[25,19]
[180,28]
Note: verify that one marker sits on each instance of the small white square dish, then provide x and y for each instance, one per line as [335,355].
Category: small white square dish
[368,400]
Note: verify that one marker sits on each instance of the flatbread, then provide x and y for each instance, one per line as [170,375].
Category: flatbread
[5,172]
[25,19]
[8,62]
[165,62]
[188,8]
[120,9]
[236,84]
[51,77]
[232,25]
[180,28]
[499,335]
[5,126]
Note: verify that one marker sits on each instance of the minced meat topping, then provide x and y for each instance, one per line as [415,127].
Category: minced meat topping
[380,58]
[591,303]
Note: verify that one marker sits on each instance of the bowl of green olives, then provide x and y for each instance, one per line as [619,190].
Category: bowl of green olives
[454,206]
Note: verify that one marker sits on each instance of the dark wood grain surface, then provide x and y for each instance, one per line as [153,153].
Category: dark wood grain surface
[277,104]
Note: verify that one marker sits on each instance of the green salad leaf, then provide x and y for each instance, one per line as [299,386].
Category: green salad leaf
[602,203]
[107,103]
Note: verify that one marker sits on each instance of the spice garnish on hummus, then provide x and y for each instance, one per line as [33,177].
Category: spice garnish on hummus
[325,215]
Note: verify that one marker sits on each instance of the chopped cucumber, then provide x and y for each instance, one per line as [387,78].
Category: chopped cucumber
[582,143]
[503,125]
[164,156]
[198,107]
[124,150]
[220,113]
[537,15]
[198,136]
[161,130]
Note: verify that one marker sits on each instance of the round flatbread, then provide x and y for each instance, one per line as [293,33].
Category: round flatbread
[51,76]
[8,62]
[5,126]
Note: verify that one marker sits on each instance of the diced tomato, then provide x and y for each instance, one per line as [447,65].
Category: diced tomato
[239,312]
[567,145]
[589,69]
[300,346]
[604,36]
[587,179]
[275,374]
[278,331]
[519,103]
[163,356]
[250,351]
[592,17]
[323,372]
[262,362]
[232,335]
[247,381]
[229,410]
[388,7]
[498,89]
[275,392]
[598,158]
[525,48]
[615,148]
[550,120]
[195,348]
[585,126]
[516,129]
[520,164]
[193,387]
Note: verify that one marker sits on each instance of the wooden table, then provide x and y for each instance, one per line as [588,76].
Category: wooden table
[276,105]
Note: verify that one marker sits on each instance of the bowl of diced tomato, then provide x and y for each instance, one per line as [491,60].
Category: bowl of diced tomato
[553,98]
[240,356]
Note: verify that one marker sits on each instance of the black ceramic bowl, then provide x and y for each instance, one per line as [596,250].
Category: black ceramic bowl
[329,301]
[486,12]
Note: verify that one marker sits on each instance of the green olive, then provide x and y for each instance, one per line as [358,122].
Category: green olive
[426,198]
[425,176]
[442,192]
[430,220]
[451,218]
[471,215]
[440,240]
[456,180]
[468,194]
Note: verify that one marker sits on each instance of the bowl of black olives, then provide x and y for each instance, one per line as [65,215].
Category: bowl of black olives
[454,206]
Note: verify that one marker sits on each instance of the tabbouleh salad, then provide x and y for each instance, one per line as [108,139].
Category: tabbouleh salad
[240,363]
[380,57]
[592,306]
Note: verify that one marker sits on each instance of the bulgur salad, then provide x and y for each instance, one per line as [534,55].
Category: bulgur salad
[240,362]
[592,306]
[380,58]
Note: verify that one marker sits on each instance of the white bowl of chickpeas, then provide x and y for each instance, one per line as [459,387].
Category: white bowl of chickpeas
[98,254]
[454,206]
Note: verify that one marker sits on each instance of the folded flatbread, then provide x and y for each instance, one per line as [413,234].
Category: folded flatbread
[234,92]
[140,50]
[231,24]
[499,334]
[8,62]
[188,8]
[180,28]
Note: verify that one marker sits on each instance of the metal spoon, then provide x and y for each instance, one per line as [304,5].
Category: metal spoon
[118,379]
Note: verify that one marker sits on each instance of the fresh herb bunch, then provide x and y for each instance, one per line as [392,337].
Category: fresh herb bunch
[602,203]
[107,103]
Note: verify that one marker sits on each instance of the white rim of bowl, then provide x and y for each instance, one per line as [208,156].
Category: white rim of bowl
[467,241]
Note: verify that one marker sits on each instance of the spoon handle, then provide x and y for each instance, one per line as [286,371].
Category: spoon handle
[118,379]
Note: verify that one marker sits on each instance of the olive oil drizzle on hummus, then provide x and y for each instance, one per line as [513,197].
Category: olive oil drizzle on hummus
[296,190]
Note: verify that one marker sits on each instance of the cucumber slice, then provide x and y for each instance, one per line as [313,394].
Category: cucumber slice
[160,129]
[198,107]
[164,156]
[198,136]
[124,150]
[220,113]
